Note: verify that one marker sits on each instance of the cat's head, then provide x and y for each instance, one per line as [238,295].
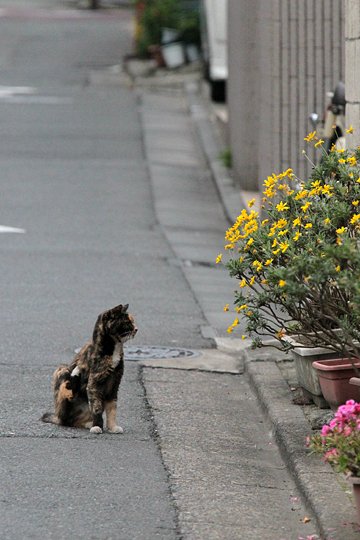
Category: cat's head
[115,323]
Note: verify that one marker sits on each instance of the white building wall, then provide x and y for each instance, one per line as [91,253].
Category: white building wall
[284,55]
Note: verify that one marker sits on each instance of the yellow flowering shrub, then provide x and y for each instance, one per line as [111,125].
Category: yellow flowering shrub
[298,264]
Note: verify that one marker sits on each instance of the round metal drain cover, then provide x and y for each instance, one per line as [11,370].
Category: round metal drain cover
[151,353]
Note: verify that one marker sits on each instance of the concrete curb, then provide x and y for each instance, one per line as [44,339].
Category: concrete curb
[322,492]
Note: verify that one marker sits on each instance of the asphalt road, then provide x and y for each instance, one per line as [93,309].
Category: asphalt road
[74,181]
[110,201]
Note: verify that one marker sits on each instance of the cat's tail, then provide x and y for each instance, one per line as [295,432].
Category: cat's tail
[50,418]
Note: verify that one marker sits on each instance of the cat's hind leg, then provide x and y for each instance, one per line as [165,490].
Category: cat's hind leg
[62,397]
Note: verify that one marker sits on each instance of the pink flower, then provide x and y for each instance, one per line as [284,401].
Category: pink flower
[325,430]
[331,455]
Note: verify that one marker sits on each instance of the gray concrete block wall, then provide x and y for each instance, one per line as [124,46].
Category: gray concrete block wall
[284,55]
[352,75]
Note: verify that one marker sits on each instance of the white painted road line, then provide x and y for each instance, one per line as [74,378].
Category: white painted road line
[5,229]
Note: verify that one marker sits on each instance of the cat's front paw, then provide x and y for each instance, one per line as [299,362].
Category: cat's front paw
[95,429]
[116,429]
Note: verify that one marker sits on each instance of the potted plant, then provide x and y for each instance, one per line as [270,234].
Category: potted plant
[166,29]
[298,264]
[153,16]
[339,444]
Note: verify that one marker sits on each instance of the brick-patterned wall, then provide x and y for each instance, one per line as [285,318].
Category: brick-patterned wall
[352,67]
[295,49]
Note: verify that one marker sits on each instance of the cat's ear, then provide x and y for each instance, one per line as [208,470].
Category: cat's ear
[119,309]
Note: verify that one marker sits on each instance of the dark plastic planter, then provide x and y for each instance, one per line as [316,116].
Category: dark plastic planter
[334,378]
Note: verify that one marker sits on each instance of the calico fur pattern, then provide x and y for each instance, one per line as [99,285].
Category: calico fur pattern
[88,387]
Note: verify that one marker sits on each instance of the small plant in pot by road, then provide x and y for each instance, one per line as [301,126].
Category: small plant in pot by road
[339,441]
[298,265]
[339,444]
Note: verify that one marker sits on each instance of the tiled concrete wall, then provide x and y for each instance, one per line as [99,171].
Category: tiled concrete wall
[284,55]
[352,67]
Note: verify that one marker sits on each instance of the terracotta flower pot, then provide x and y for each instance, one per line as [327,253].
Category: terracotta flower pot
[334,378]
[355,481]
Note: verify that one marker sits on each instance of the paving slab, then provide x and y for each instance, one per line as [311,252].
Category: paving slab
[228,481]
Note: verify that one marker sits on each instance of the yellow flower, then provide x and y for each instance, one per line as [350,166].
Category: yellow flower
[229,246]
[242,283]
[339,241]
[250,241]
[355,219]
[218,258]
[283,246]
[281,223]
[284,232]
[327,221]
[252,281]
[269,192]
[350,129]
[352,161]
[244,306]
[226,307]
[297,222]
[319,143]
[230,330]
[301,194]
[305,206]
[276,251]
[282,206]
[274,244]
[355,203]
[270,181]
[268,262]
[326,190]
[342,161]
[297,236]
[308,226]
[235,322]
[282,283]
[310,136]
[264,281]
[251,203]
[337,268]
[341,230]
[243,337]
[264,222]
[258,265]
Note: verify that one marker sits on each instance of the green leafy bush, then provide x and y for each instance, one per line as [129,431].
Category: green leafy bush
[298,266]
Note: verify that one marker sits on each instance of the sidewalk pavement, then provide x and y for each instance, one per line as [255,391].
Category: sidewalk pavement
[195,201]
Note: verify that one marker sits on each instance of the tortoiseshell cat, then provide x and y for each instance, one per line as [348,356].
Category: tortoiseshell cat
[89,385]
